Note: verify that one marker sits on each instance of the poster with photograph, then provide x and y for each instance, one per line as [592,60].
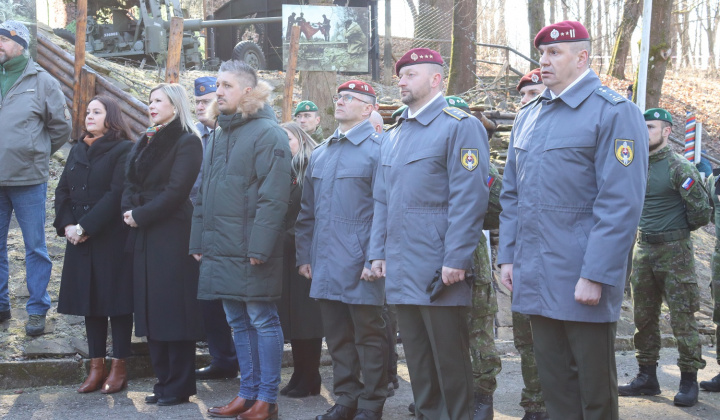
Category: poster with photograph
[332,38]
[21,11]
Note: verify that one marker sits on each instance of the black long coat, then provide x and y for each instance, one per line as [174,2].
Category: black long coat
[165,277]
[299,313]
[96,275]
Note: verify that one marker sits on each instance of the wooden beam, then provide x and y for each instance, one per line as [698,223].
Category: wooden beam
[290,73]
[87,92]
[81,25]
[172,66]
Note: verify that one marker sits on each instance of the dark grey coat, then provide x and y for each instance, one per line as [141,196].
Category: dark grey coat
[96,276]
[159,178]
[240,211]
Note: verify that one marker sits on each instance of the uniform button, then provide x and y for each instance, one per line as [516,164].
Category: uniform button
[73,187]
[84,187]
[73,207]
[85,207]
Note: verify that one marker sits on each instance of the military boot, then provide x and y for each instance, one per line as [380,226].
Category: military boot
[645,383]
[483,407]
[688,394]
[713,385]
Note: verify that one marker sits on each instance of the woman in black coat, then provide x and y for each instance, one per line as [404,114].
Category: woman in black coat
[299,314]
[162,168]
[96,281]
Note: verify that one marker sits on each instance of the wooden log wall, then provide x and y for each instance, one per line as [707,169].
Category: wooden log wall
[60,64]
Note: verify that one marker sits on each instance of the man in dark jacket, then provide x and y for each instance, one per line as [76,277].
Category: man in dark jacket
[332,237]
[237,232]
[36,122]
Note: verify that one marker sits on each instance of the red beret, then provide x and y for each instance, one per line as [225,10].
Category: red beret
[565,31]
[532,78]
[418,56]
[357,86]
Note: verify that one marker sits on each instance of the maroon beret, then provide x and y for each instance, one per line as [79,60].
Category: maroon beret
[565,31]
[418,56]
[532,78]
[357,86]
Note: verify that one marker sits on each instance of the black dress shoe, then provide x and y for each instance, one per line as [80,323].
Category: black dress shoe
[337,412]
[214,372]
[5,315]
[151,399]
[172,400]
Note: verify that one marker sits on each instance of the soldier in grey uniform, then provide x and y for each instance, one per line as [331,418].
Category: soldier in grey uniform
[430,199]
[332,235]
[571,199]
[713,385]
[664,264]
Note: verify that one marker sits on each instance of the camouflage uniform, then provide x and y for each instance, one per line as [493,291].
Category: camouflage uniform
[715,284]
[663,260]
[486,362]
[317,135]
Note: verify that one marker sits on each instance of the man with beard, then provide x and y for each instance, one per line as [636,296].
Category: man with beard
[664,264]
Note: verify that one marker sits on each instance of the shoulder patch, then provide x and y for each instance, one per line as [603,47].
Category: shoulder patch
[456,113]
[610,95]
[469,158]
[624,151]
[688,184]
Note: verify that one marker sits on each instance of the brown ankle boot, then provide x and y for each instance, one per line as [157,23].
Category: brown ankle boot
[260,411]
[117,379]
[95,377]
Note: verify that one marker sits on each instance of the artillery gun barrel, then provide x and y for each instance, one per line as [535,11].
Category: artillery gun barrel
[199,24]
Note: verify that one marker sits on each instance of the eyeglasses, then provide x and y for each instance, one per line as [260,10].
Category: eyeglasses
[347,98]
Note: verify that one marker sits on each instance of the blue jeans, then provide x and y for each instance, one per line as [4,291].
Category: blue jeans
[28,202]
[259,347]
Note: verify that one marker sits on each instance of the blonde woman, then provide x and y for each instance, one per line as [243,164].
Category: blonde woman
[299,314]
[162,168]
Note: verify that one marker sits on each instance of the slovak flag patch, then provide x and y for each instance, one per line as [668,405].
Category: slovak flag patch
[490,180]
[688,184]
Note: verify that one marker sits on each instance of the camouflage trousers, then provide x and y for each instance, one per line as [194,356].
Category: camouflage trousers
[715,285]
[666,270]
[531,399]
[486,363]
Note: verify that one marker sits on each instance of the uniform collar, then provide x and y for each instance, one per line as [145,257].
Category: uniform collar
[576,93]
[415,114]
[355,135]
[427,113]
[661,154]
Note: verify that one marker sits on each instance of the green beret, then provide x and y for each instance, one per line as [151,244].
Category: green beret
[657,114]
[398,112]
[305,106]
[457,102]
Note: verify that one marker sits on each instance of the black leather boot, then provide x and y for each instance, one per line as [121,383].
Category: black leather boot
[297,367]
[309,366]
[483,407]
[688,394]
[645,383]
[713,385]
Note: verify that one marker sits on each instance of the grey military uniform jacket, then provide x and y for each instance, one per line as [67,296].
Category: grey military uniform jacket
[430,195]
[572,195]
[333,228]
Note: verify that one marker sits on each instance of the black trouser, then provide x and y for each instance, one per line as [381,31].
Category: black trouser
[576,363]
[436,340]
[389,315]
[355,336]
[218,335]
[97,329]
[174,366]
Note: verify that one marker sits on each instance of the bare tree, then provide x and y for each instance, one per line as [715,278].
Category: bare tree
[631,13]
[712,19]
[536,21]
[463,58]
[660,50]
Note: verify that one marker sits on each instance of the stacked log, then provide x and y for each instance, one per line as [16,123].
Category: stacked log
[60,64]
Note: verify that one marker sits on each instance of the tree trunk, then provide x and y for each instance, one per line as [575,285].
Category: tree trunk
[553,7]
[597,37]
[434,19]
[388,69]
[536,21]
[713,19]
[683,26]
[565,10]
[463,57]
[660,44]
[631,14]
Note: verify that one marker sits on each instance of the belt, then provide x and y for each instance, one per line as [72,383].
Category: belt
[658,238]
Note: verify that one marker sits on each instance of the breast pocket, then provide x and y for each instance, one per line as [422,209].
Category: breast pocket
[569,155]
[427,161]
[354,177]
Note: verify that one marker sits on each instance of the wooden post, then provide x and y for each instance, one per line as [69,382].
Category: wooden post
[78,112]
[87,92]
[172,66]
[290,73]
[388,71]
